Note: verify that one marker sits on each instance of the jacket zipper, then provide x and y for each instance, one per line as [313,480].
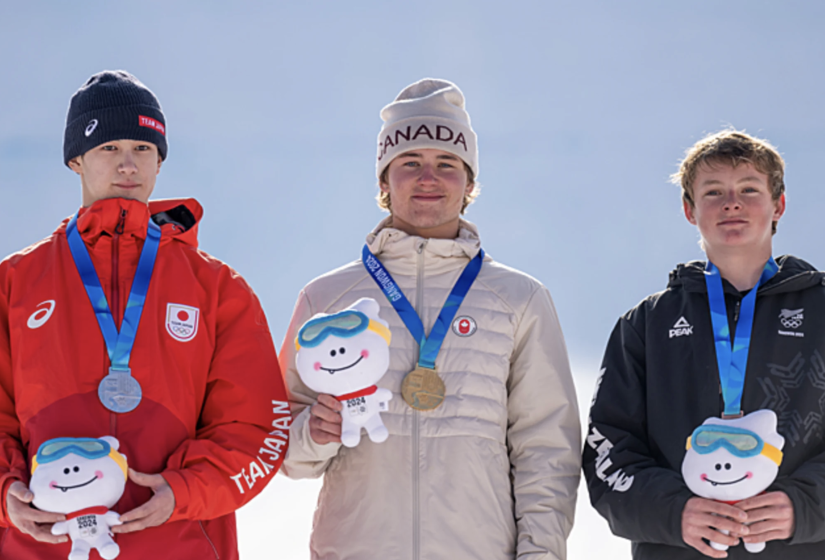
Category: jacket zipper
[419,305]
[115,293]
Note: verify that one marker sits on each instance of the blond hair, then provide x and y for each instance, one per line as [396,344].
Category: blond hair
[731,147]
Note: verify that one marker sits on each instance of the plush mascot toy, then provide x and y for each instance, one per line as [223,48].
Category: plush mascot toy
[82,478]
[344,355]
[729,460]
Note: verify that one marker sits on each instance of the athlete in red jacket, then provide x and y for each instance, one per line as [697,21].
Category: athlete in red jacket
[210,427]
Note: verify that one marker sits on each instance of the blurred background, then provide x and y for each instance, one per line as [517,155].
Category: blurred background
[583,109]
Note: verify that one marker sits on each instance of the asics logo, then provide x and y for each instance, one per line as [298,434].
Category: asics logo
[91,127]
[39,317]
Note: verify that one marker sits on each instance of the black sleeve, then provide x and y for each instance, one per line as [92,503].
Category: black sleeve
[641,500]
[806,489]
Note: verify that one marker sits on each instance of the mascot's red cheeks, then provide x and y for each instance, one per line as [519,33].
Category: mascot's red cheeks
[52,484]
[317,366]
[748,474]
[365,353]
[703,477]
[99,474]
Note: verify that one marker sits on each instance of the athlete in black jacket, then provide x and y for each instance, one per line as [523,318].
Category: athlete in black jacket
[660,380]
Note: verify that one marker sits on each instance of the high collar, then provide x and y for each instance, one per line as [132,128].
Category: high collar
[130,217]
[388,242]
[113,215]
[794,274]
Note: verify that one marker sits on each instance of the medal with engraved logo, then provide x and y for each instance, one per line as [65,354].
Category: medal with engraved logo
[422,388]
[118,391]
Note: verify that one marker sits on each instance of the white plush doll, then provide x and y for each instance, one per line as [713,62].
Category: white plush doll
[729,460]
[344,355]
[82,478]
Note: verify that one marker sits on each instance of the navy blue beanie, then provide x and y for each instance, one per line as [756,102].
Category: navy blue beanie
[113,105]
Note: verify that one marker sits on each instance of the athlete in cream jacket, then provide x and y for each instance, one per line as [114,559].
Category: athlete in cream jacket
[490,474]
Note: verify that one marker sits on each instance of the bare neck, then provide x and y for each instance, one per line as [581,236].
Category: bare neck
[443,231]
[741,270]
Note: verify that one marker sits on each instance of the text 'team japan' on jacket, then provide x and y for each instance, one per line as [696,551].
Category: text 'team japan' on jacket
[213,419]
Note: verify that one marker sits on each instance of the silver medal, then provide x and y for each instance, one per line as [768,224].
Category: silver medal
[119,391]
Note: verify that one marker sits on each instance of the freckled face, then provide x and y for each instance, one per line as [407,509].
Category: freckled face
[733,208]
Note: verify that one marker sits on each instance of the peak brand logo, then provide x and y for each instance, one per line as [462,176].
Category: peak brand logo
[42,315]
[436,133]
[152,123]
[91,127]
[182,321]
[681,328]
[464,326]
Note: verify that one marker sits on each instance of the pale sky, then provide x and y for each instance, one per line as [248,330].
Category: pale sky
[582,110]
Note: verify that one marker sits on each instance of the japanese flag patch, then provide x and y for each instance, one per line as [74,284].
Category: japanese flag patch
[182,321]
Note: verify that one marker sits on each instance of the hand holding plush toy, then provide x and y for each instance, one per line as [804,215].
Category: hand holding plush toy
[344,355]
[731,460]
[82,478]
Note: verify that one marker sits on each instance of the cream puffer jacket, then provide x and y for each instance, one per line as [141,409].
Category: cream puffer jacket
[490,474]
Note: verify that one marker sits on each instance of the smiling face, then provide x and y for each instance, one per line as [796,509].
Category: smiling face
[338,366]
[120,168]
[344,352]
[723,476]
[427,189]
[72,483]
[733,209]
[725,460]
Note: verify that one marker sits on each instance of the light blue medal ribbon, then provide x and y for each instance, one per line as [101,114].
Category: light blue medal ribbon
[118,391]
[732,362]
[429,345]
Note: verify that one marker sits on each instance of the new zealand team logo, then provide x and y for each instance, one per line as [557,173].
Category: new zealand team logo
[182,321]
[791,318]
[464,326]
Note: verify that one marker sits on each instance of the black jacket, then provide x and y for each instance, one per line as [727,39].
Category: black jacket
[660,380]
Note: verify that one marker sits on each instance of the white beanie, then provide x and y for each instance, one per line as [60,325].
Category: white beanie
[427,114]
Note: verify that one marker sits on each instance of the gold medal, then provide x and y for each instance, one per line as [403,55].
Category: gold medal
[423,389]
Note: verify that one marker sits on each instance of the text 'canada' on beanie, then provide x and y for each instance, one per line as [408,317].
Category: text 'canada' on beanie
[427,114]
[113,105]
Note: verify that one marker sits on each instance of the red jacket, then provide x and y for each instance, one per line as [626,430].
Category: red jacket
[213,419]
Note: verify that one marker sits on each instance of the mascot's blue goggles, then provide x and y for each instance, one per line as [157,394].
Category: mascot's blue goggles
[738,441]
[344,324]
[55,449]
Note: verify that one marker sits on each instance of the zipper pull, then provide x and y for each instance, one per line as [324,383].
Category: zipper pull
[121,223]
[421,245]
[736,311]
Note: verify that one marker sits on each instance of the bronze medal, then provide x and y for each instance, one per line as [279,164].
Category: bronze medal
[423,389]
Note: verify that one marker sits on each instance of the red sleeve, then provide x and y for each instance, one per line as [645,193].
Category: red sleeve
[243,431]
[12,456]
